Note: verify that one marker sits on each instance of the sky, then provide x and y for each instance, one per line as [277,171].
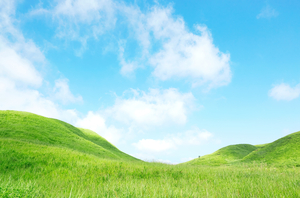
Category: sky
[162,80]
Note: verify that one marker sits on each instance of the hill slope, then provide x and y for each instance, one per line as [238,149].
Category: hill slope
[97,139]
[31,128]
[224,155]
[284,151]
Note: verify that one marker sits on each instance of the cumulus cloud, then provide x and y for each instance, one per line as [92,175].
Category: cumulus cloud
[191,137]
[155,108]
[267,12]
[185,54]
[62,92]
[164,41]
[181,53]
[18,56]
[20,79]
[18,98]
[285,92]
[16,66]
[96,122]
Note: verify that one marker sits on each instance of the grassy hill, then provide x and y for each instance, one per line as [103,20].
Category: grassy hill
[35,129]
[224,155]
[97,139]
[42,157]
[284,151]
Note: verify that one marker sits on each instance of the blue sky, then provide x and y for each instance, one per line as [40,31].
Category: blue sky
[162,80]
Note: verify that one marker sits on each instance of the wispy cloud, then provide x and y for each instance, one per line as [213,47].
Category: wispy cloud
[154,108]
[20,79]
[62,92]
[183,54]
[267,12]
[164,41]
[285,92]
[173,141]
[80,20]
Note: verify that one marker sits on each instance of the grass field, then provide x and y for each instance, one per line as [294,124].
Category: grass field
[42,157]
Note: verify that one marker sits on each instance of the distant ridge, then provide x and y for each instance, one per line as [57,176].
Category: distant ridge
[224,155]
[282,152]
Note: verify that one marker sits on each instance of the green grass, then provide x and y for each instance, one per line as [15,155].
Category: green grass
[42,157]
[49,171]
[260,145]
[226,155]
[282,152]
[36,129]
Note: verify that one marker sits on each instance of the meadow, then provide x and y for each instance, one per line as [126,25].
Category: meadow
[42,171]
[35,164]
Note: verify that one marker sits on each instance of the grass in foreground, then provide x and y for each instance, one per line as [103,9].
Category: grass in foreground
[44,171]
[42,157]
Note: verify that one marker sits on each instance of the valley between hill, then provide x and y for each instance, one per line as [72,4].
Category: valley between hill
[43,157]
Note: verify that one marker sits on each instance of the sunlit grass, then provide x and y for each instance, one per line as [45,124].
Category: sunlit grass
[46,171]
[42,157]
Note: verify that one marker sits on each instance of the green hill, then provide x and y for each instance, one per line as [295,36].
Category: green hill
[42,157]
[284,151]
[224,155]
[97,139]
[35,129]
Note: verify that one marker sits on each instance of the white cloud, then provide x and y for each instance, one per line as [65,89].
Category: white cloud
[154,145]
[79,20]
[165,42]
[181,53]
[267,12]
[96,122]
[20,79]
[18,56]
[62,92]
[85,11]
[155,108]
[184,54]
[191,137]
[31,100]
[15,66]
[127,66]
[285,92]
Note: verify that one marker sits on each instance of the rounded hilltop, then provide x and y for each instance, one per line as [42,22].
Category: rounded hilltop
[30,128]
